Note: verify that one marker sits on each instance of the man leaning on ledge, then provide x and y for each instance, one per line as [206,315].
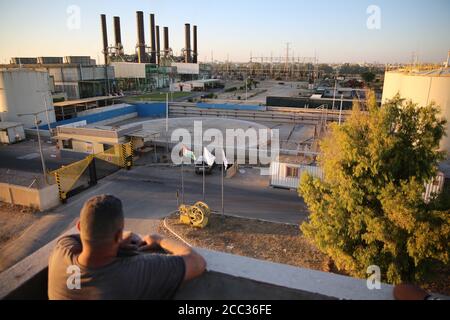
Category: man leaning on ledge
[106,263]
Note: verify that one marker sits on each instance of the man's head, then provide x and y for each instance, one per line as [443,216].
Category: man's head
[101,221]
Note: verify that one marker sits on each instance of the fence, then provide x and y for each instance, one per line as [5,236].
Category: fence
[68,176]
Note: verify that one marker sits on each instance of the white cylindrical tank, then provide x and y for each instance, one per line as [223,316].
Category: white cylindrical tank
[422,88]
[24,91]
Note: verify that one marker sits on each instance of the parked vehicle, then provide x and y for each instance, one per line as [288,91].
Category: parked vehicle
[201,165]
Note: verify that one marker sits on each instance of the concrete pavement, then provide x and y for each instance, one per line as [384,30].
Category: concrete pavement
[149,193]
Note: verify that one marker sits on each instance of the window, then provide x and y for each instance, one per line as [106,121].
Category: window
[67,144]
[291,172]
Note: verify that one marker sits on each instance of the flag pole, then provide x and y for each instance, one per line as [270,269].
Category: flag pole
[223,207]
[203,163]
[182,181]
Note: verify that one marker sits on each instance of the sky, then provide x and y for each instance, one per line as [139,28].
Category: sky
[333,31]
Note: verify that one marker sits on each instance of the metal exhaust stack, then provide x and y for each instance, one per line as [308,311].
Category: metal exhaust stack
[187,54]
[105,38]
[141,37]
[152,38]
[195,51]
[166,42]
[158,46]
[118,35]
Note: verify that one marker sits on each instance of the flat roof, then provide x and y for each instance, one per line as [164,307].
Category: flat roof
[84,101]
[6,125]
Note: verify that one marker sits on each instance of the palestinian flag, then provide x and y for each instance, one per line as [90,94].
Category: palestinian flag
[188,154]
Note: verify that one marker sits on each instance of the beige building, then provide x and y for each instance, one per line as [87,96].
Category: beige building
[422,87]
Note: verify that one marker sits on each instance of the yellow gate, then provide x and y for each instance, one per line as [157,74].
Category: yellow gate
[67,176]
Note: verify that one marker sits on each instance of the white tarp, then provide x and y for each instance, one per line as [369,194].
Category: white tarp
[186,68]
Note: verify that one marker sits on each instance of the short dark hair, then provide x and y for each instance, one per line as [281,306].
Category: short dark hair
[101,218]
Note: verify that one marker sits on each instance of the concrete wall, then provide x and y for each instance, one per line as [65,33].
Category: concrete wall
[421,90]
[41,199]
[24,91]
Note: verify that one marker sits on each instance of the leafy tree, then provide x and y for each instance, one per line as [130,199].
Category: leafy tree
[369,208]
[368,77]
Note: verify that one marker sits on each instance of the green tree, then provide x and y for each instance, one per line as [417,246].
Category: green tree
[368,77]
[369,208]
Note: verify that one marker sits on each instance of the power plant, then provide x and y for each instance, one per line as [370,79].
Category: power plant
[148,52]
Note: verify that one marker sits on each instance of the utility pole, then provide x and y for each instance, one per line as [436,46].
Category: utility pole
[37,122]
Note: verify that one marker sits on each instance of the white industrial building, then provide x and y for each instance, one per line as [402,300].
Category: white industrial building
[24,91]
[422,87]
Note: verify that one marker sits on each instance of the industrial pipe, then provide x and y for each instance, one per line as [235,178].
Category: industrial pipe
[166,42]
[105,38]
[158,46]
[141,37]
[195,54]
[187,53]
[117,34]
[152,38]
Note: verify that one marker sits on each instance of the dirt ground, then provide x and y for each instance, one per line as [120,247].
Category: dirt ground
[279,243]
[14,220]
[273,242]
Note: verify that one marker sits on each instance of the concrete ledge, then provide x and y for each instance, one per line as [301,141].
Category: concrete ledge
[228,277]
[278,281]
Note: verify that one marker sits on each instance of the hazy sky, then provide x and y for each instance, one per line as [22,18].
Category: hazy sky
[335,30]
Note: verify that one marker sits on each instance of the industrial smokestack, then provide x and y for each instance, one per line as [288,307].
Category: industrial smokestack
[195,53]
[141,37]
[117,34]
[187,32]
[158,46]
[105,37]
[152,38]
[166,42]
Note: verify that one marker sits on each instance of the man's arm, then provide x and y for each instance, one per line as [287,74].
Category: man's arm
[195,263]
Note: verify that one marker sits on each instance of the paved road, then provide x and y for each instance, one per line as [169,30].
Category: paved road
[149,194]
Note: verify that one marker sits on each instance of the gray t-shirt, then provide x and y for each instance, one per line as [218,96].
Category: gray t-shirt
[141,277]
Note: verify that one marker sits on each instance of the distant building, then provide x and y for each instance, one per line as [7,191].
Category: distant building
[422,87]
[25,91]
[76,77]
[132,76]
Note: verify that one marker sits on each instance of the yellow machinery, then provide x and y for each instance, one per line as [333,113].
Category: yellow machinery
[196,216]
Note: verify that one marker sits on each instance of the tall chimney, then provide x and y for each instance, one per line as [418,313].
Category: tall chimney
[158,46]
[166,42]
[117,34]
[105,38]
[141,37]
[195,53]
[187,32]
[152,38]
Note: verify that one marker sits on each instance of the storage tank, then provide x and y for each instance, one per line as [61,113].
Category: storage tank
[25,91]
[422,87]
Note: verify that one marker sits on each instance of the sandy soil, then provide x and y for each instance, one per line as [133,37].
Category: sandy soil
[14,220]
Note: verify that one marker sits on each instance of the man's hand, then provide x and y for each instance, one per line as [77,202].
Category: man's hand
[131,241]
[151,243]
